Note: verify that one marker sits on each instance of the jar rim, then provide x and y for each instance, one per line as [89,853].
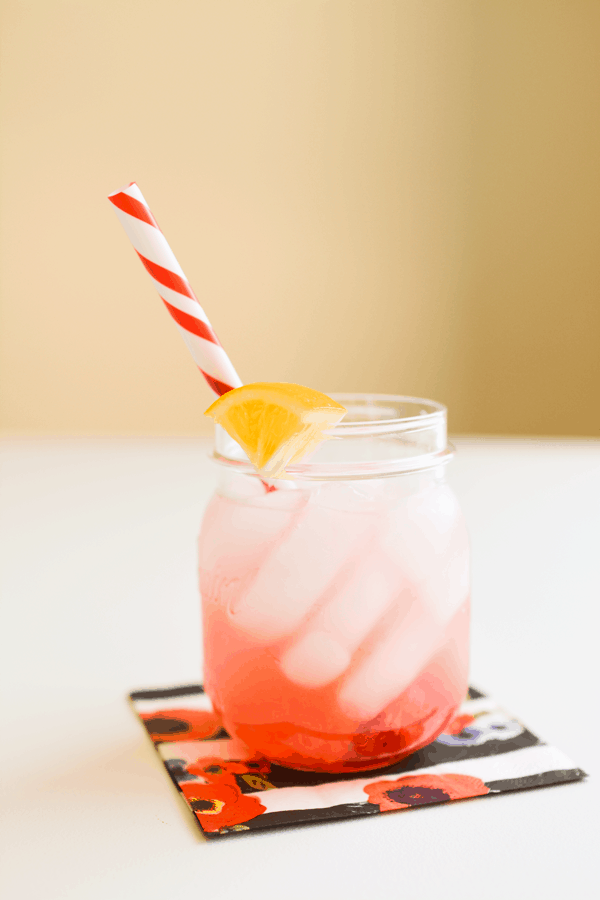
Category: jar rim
[347,427]
[395,443]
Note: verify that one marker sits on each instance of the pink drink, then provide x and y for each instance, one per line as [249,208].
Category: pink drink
[336,609]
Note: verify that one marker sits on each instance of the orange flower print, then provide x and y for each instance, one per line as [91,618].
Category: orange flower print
[219,771]
[181,724]
[417,790]
[221,804]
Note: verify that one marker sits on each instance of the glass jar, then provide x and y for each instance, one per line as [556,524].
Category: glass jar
[336,601]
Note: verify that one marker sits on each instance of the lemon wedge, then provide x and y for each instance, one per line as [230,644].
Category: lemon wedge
[276,423]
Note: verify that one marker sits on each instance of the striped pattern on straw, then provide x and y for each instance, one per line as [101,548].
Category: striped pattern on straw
[174,289]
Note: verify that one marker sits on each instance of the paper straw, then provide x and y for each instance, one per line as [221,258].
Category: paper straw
[174,289]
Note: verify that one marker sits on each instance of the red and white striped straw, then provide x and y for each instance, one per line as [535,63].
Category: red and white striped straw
[174,289]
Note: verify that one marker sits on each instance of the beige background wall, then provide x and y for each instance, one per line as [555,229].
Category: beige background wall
[365,194]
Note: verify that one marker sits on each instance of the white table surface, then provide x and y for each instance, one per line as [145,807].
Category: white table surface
[99,597]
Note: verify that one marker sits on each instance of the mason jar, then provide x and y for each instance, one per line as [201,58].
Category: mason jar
[336,601]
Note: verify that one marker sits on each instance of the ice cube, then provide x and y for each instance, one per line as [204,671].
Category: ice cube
[315,660]
[324,651]
[393,664]
[427,540]
[299,570]
[236,536]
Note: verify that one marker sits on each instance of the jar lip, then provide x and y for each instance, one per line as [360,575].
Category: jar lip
[382,426]
[375,441]
[348,471]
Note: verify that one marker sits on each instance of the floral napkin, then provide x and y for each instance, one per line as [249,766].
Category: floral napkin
[484,751]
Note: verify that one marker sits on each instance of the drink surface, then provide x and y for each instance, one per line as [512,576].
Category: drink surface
[335,616]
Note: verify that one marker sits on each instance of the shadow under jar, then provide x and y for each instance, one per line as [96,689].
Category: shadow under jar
[336,608]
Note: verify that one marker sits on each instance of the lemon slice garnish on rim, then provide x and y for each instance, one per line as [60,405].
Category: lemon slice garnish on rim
[275,423]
